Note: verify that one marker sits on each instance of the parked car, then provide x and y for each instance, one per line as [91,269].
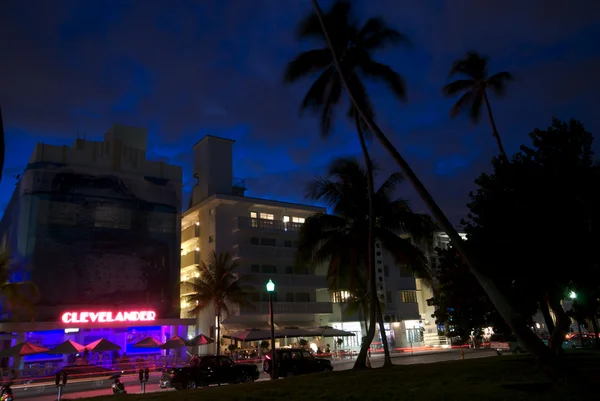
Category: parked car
[208,370]
[295,361]
[502,343]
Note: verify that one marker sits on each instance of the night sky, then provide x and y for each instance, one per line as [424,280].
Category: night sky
[184,69]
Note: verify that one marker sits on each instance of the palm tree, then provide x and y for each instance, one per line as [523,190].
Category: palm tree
[216,285]
[340,240]
[474,89]
[356,45]
[516,321]
[18,298]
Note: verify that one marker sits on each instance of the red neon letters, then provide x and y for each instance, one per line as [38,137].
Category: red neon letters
[108,317]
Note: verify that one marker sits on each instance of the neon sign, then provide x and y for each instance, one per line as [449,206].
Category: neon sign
[108,317]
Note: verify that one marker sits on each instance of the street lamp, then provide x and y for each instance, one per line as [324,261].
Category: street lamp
[270,290]
[572,295]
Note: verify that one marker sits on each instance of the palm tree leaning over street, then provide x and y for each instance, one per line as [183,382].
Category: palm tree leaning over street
[340,239]
[515,320]
[356,45]
[217,285]
[474,90]
[17,298]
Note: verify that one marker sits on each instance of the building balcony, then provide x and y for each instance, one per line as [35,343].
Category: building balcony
[190,233]
[282,308]
[191,259]
[244,222]
[286,280]
[263,252]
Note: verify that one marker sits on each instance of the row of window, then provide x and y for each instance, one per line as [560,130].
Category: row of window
[273,242]
[285,297]
[270,216]
[407,297]
[272,269]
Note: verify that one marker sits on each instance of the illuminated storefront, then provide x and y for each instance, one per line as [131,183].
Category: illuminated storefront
[123,327]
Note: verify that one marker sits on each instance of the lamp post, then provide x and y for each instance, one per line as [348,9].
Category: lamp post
[270,290]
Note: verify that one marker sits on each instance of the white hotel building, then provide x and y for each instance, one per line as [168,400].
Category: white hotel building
[262,234]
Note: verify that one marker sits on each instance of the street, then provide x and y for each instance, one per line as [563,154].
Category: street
[94,388]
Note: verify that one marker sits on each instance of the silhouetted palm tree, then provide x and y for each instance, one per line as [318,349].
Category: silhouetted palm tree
[474,90]
[340,240]
[17,298]
[217,285]
[508,313]
[356,46]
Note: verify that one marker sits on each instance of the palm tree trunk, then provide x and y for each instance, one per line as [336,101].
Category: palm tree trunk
[595,326]
[547,316]
[364,348]
[375,304]
[2,145]
[562,324]
[516,322]
[387,361]
[495,130]
[218,331]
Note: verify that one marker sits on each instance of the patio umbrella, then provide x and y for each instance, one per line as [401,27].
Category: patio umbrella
[200,340]
[174,342]
[249,335]
[68,347]
[294,332]
[102,345]
[328,331]
[23,349]
[148,342]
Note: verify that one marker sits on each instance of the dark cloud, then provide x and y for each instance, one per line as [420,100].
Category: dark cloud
[197,67]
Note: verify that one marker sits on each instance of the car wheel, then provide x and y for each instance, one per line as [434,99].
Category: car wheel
[190,385]
[243,378]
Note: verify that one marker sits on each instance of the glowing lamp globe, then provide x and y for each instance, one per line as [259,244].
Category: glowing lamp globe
[270,286]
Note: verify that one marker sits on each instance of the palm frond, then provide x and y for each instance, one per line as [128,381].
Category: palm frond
[307,63]
[461,104]
[498,82]
[387,188]
[384,73]
[405,253]
[375,34]
[458,86]
[318,91]
[217,284]
[476,103]
[473,65]
[334,94]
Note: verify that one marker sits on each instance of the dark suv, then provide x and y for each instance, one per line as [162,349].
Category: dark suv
[295,361]
[207,370]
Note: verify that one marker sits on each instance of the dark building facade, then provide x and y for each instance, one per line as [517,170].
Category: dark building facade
[97,227]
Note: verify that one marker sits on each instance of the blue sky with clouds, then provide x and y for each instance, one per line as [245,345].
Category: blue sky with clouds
[185,68]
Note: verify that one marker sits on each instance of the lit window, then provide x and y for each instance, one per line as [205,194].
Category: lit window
[340,296]
[409,297]
[253,215]
[298,220]
[267,216]
[286,219]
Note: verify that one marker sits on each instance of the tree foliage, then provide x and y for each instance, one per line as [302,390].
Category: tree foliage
[17,298]
[532,221]
[461,304]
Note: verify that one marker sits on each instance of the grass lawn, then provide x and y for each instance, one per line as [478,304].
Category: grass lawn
[505,377]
